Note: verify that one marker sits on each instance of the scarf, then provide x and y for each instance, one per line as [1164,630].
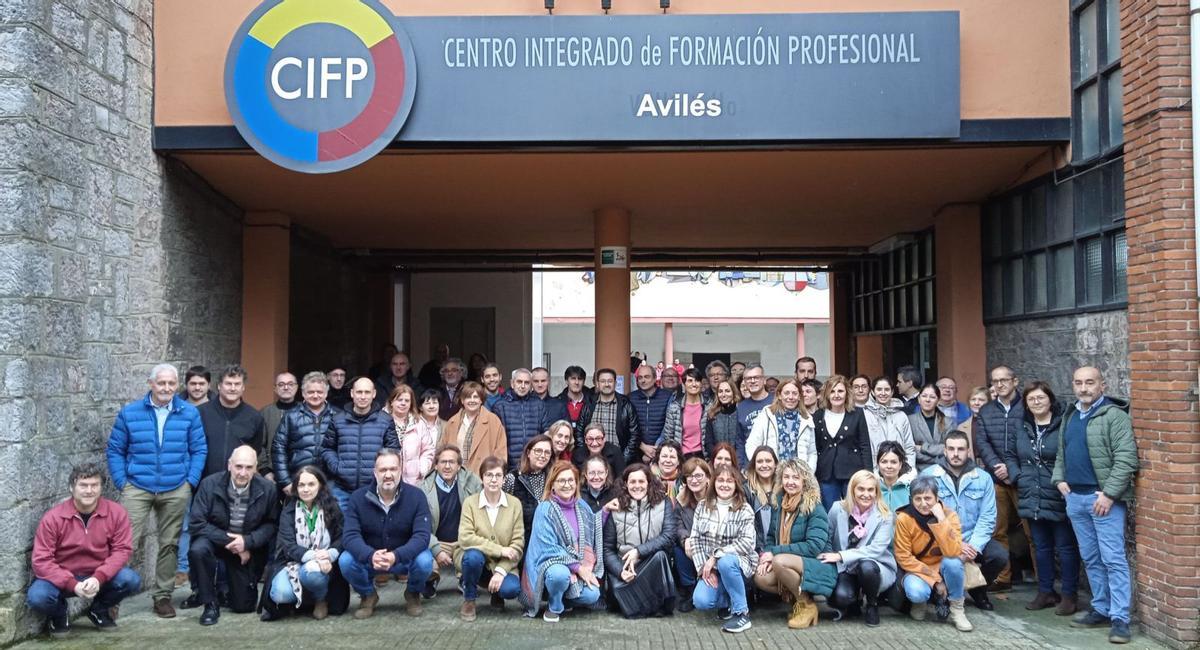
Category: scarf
[579,546]
[922,520]
[789,509]
[567,506]
[789,434]
[310,534]
[469,436]
[860,525]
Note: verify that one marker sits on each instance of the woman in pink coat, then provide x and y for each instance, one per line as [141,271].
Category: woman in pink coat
[415,443]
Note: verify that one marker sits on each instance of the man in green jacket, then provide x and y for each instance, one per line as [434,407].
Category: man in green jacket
[1094,470]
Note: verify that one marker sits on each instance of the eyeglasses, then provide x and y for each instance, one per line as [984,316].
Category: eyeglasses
[597,474]
[539,452]
[1036,398]
[1002,380]
[286,384]
[564,482]
[448,461]
[698,477]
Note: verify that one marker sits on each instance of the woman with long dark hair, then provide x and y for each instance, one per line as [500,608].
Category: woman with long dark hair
[307,545]
[667,459]
[722,424]
[893,472]
[638,537]
[760,488]
[527,482]
[723,543]
[929,427]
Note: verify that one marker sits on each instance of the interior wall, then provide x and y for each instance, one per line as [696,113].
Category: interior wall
[511,294]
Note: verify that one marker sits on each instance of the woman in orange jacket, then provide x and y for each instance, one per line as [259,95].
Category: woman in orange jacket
[928,549]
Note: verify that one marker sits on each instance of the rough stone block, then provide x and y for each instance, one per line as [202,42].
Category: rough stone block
[68,26]
[25,269]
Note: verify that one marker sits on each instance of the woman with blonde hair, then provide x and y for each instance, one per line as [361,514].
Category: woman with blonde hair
[562,436]
[785,426]
[788,564]
[860,538]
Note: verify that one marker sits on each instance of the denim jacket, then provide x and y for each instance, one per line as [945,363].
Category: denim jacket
[974,501]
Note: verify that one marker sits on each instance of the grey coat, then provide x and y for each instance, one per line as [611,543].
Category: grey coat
[877,545]
[930,444]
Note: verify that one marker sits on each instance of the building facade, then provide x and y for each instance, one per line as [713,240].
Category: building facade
[1019,190]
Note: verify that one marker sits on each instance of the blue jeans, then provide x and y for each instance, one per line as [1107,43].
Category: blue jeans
[471,577]
[1052,538]
[558,578]
[685,568]
[730,590]
[46,599]
[919,591]
[1102,547]
[313,582]
[831,492]
[361,576]
[185,540]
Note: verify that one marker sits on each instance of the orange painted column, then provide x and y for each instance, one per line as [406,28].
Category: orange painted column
[961,338]
[266,280]
[612,292]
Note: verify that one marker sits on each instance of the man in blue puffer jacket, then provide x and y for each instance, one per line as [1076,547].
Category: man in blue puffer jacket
[355,435]
[522,414]
[156,453]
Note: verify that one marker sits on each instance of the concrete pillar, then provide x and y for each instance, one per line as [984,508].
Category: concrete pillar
[961,338]
[800,342]
[266,273]
[668,343]
[612,291]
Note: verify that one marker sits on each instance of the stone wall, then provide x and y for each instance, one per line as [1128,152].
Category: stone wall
[1050,349]
[111,259]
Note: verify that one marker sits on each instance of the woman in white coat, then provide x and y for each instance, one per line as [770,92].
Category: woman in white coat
[785,426]
[886,420]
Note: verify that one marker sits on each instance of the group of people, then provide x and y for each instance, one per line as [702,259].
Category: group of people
[711,493]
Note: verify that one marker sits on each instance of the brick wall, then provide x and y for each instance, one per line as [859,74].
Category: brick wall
[111,259]
[1164,350]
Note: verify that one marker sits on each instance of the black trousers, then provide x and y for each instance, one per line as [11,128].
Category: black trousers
[863,578]
[204,556]
[992,559]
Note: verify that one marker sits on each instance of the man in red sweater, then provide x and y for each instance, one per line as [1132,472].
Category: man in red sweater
[80,549]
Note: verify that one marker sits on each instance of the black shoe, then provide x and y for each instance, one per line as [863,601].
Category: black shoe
[497,602]
[270,614]
[211,615]
[1119,633]
[58,626]
[191,602]
[871,615]
[430,590]
[101,619]
[980,598]
[685,604]
[724,613]
[1090,618]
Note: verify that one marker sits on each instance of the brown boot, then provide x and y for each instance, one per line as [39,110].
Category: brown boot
[467,612]
[412,603]
[366,606]
[163,608]
[1043,600]
[804,613]
[320,610]
[1067,606]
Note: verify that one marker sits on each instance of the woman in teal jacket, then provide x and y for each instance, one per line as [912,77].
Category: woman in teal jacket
[799,532]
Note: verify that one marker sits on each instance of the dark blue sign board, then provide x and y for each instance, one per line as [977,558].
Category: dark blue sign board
[667,78]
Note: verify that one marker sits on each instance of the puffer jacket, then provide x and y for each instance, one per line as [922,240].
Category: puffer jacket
[298,441]
[995,430]
[416,445]
[522,417]
[1111,447]
[135,456]
[628,432]
[651,413]
[673,425]
[1031,461]
[349,448]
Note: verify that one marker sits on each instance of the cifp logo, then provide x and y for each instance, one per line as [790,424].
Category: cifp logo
[319,86]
